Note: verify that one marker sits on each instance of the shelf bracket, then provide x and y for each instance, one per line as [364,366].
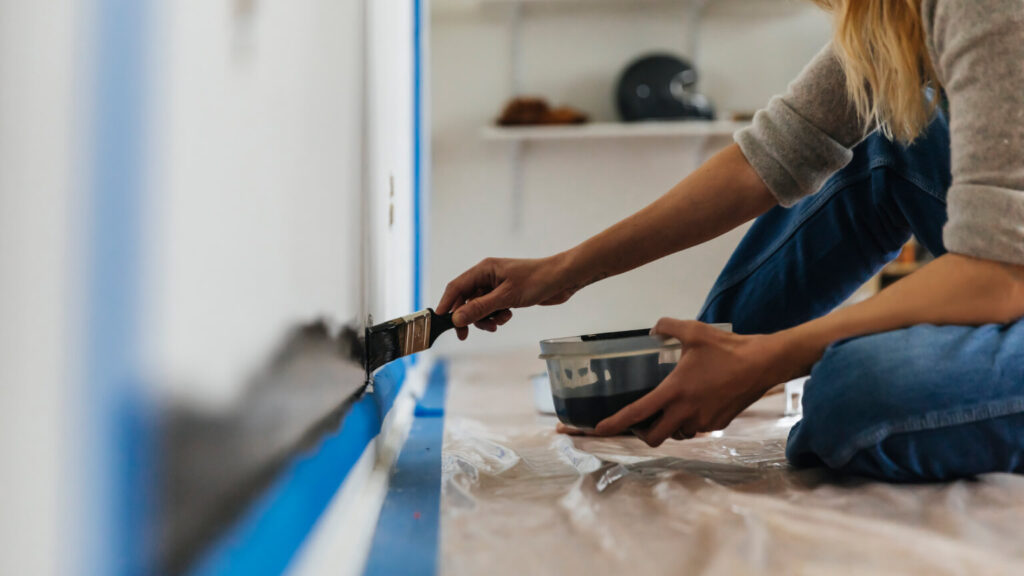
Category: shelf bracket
[515,48]
[516,196]
[515,84]
[695,14]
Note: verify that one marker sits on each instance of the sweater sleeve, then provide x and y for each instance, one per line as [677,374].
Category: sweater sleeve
[805,135]
[978,50]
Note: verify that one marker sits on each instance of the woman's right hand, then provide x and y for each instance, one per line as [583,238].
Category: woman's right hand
[485,294]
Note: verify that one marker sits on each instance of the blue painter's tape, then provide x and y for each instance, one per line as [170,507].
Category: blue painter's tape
[419,150]
[119,507]
[428,412]
[432,402]
[407,536]
[265,540]
[387,383]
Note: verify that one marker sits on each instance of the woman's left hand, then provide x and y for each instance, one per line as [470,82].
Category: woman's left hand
[718,375]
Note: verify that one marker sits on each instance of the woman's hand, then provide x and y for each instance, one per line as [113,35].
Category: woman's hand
[718,375]
[484,294]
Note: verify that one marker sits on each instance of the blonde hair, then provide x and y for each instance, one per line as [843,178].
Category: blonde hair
[881,44]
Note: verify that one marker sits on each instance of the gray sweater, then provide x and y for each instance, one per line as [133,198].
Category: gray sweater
[977,48]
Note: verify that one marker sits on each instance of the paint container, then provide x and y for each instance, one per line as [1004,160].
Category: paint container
[542,393]
[595,376]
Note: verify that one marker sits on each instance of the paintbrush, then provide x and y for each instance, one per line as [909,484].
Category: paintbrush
[403,336]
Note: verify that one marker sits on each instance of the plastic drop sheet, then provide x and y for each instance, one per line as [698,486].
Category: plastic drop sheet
[520,499]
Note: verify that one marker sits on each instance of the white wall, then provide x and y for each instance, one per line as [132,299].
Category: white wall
[39,57]
[257,217]
[573,53]
[389,166]
[264,149]
[270,131]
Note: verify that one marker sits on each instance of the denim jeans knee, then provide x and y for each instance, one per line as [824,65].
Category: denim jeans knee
[922,403]
[840,402]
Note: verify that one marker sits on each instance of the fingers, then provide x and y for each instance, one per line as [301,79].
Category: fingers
[682,434]
[684,330]
[487,325]
[452,294]
[501,317]
[561,428]
[668,425]
[477,309]
[478,277]
[636,412]
[491,323]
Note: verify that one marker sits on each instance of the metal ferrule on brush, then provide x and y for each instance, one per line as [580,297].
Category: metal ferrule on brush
[402,337]
[414,333]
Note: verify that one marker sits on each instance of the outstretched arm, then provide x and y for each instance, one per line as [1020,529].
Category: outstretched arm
[720,195]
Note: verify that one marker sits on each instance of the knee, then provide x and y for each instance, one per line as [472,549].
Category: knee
[857,377]
[882,406]
[851,395]
[991,444]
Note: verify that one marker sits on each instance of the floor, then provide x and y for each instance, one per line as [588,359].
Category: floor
[520,499]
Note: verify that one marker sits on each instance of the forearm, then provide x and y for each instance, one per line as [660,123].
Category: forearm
[719,196]
[953,289]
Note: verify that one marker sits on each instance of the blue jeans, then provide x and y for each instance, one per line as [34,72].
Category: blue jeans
[925,403]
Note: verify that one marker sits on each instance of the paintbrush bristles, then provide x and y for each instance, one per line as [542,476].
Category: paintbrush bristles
[397,338]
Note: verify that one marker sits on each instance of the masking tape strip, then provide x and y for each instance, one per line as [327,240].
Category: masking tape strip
[407,537]
[267,537]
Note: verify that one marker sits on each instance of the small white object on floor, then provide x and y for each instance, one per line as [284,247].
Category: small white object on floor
[794,397]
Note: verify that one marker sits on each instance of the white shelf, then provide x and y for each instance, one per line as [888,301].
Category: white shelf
[613,130]
[578,2]
[454,4]
[467,7]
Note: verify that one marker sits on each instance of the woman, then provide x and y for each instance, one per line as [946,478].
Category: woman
[924,381]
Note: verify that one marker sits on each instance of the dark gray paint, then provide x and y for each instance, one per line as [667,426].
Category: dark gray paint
[215,465]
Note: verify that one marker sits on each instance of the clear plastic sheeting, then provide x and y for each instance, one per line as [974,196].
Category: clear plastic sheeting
[521,499]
